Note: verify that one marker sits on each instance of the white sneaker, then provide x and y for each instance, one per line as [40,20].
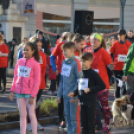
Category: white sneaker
[29,127]
[39,127]
[49,93]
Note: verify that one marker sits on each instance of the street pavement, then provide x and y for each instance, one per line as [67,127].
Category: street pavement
[7,106]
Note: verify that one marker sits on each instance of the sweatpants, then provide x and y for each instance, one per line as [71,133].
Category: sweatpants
[119,74]
[37,106]
[70,111]
[88,119]
[23,105]
[103,98]
[3,77]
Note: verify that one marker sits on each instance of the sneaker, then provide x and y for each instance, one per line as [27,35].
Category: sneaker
[62,125]
[98,126]
[106,129]
[49,93]
[29,127]
[3,91]
[55,93]
[39,127]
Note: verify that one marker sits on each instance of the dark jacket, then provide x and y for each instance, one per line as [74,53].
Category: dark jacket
[131,39]
[95,84]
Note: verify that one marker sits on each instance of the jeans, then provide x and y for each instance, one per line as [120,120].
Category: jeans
[70,111]
[98,115]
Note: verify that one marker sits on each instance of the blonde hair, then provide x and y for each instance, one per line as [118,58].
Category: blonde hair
[65,35]
[32,39]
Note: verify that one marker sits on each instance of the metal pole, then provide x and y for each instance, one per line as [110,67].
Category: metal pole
[122,17]
[72,16]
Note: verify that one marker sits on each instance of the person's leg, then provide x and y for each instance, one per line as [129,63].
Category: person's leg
[38,102]
[73,115]
[23,113]
[132,101]
[4,78]
[0,77]
[84,120]
[67,115]
[53,85]
[117,89]
[91,119]
[103,98]
[31,112]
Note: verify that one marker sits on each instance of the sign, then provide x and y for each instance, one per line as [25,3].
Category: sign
[28,7]
[66,69]
[24,71]
[122,58]
[82,83]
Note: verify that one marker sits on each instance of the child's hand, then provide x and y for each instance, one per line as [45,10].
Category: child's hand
[58,100]
[31,100]
[11,96]
[57,72]
[87,90]
[73,100]
[71,95]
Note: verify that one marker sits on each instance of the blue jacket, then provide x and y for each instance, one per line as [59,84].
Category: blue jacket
[69,83]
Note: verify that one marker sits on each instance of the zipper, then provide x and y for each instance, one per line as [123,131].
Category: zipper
[22,80]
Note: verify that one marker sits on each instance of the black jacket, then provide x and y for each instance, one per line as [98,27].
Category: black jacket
[131,39]
[95,84]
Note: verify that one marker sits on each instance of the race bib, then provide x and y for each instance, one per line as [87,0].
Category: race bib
[40,60]
[24,71]
[82,83]
[42,49]
[96,70]
[66,69]
[122,58]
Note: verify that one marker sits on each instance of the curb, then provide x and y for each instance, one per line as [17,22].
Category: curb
[16,124]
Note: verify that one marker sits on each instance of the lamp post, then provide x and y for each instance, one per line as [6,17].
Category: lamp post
[123,2]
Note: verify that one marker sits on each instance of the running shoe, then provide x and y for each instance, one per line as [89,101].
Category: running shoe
[98,126]
[39,127]
[29,127]
[106,130]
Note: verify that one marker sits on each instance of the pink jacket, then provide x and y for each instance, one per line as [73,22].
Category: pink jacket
[26,77]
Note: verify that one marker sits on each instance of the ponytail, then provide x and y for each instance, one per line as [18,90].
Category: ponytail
[103,43]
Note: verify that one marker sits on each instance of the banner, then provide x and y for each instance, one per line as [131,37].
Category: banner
[28,7]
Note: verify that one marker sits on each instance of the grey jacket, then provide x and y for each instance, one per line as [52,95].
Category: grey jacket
[69,83]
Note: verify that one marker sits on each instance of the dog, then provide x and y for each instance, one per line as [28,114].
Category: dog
[122,109]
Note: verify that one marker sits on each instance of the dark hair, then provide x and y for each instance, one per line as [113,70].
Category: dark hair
[78,39]
[34,48]
[58,36]
[69,45]
[38,40]
[122,32]
[87,56]
[130,31]
[36,31]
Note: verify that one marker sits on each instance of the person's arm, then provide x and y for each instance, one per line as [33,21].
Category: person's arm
[129,59]
[36,76]
[53,58]
[15,78]
[99,84]
[44,66]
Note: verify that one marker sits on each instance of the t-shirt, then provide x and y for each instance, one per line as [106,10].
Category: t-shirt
[100,61]
[4,60]
[58,53]
[120,53]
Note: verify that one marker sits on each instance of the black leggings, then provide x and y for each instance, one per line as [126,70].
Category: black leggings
[119,74]
[3,77]
[53,86]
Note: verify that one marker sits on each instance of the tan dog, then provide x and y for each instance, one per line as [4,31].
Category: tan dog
[122,118]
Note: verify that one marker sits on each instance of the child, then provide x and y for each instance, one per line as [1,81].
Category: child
[52,77]
[43,66]
[68,83]
[26,85]
[88,86]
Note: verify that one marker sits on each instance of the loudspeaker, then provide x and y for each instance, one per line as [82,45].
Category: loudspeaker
[83,23]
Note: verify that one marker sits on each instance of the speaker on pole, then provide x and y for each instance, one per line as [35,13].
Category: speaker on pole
[83,23]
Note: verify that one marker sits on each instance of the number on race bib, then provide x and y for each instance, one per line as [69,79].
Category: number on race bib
[40,60]
[66,69]
[122,58]
[24,71]
[82,83]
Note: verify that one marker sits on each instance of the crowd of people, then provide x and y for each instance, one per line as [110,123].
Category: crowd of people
[81,67]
